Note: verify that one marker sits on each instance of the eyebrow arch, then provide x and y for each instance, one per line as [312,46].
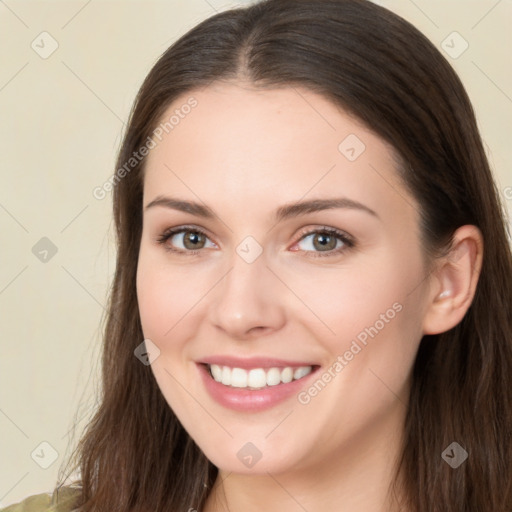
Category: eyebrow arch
[315,205]
[282,213]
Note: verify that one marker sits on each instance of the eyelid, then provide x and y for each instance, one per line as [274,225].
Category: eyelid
[348,240]
[324,229]
[170,232]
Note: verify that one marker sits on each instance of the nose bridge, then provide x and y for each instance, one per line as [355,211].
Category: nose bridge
[247,297]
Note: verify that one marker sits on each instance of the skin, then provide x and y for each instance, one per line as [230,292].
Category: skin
[245,152]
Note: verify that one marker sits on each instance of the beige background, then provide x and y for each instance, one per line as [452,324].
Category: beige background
[61,123]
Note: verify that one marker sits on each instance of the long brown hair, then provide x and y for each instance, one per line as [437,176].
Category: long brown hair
[135,455]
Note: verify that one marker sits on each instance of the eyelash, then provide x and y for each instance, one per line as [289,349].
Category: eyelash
[348,241]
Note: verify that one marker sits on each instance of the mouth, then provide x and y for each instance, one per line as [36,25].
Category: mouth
[257,378]
[256,384]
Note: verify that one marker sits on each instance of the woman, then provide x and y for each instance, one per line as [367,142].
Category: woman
[311,306]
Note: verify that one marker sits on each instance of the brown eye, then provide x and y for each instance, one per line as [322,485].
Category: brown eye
[193,240]
[323,241]
[185,240]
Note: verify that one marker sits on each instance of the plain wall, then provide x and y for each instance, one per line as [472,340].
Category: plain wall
[61,124]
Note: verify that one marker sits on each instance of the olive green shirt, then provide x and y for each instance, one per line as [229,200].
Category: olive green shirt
[66,502]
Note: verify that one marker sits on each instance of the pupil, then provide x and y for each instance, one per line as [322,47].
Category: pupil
[325,241]
[192,239]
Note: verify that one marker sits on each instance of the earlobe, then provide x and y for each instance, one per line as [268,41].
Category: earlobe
[454,282]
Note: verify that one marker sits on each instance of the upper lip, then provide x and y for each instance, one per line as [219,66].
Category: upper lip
[253,362]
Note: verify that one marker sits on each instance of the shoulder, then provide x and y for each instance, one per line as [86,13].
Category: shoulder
[65,501]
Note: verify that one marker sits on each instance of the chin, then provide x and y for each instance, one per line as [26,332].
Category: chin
[262,456]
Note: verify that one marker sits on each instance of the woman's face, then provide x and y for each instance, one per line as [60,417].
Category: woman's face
[295,246]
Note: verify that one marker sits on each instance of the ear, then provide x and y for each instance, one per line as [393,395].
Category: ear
[454,281]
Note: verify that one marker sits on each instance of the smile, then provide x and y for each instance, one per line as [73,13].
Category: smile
[256,384]
[257,378]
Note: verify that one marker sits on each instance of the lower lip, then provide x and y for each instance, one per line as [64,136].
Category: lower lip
[252,400]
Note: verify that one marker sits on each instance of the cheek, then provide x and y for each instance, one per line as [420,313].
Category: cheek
[166,299]
[376,316]
[165,296]
[359,301]
[154,296]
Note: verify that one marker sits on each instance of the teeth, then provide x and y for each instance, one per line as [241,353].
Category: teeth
[239,378]
[287,375]
[273,377]
[226,376]
[301,372]
[216,372]
[257,378]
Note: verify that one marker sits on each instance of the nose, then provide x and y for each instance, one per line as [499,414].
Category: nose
[248,303]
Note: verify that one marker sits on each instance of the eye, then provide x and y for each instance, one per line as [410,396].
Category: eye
[184,240]
[189,240]
[325,242]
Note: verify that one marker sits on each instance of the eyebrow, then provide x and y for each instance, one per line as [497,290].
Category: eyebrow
[284,212]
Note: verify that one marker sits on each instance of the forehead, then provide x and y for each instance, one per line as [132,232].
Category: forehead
[250,122]
[257,146]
